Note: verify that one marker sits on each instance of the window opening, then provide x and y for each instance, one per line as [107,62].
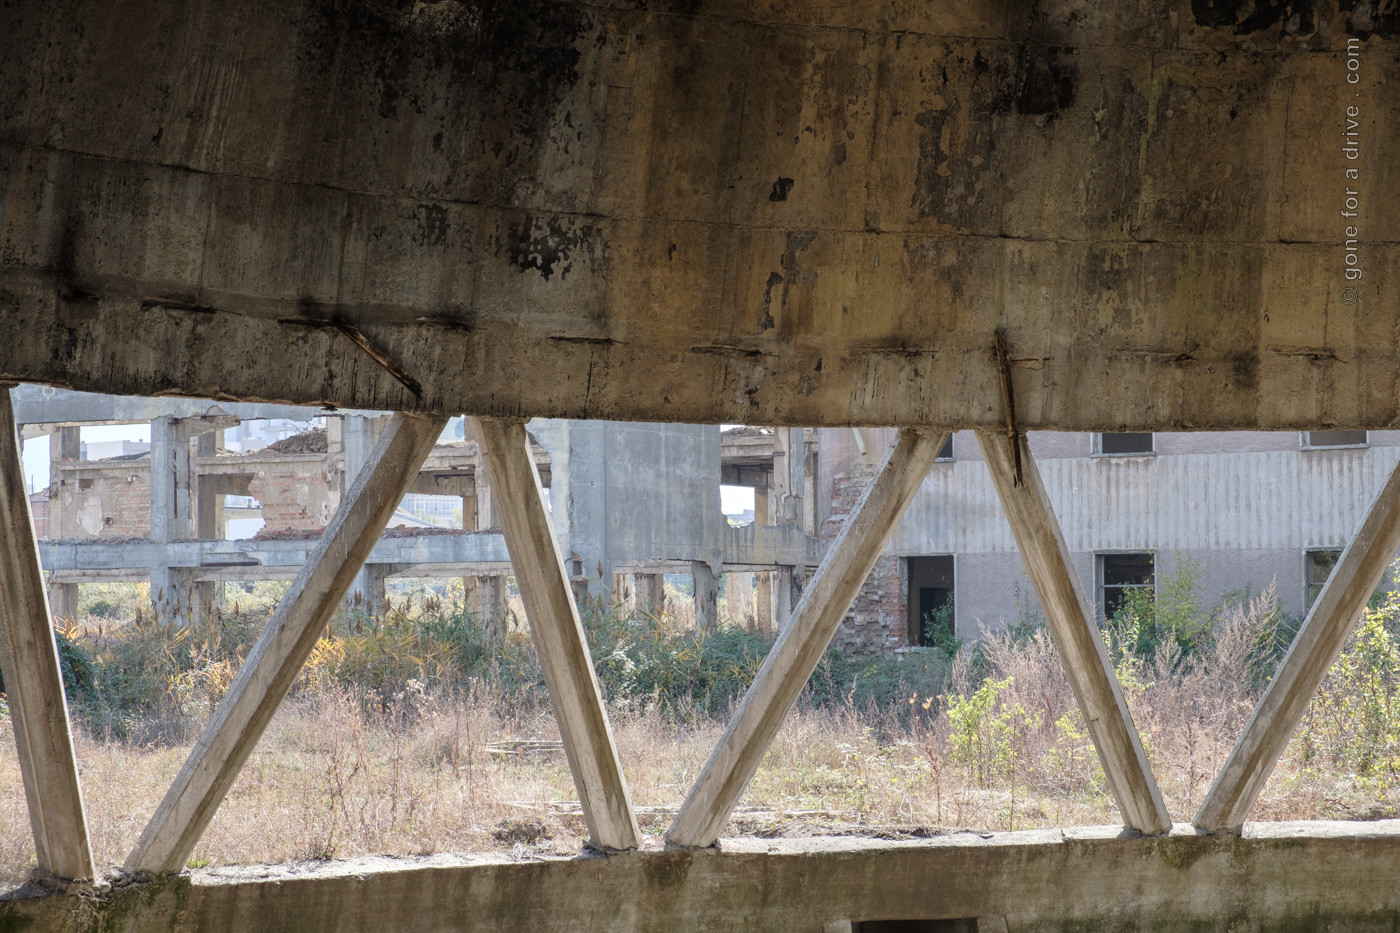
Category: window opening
[1121,575]
[946,451]
[1317,567]
[1123,444]
[1317,439]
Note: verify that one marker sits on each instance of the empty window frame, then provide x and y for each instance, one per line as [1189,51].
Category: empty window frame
[1131,444]
[1122,574]
[1317,567]
[930,600]
[1318,440]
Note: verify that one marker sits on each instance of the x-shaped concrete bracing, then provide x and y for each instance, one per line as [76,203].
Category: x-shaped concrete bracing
[41,721]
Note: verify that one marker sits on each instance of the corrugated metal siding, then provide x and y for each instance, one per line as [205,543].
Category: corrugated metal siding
[1249,500]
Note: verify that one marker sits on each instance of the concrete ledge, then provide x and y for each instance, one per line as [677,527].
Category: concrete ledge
[1288,876]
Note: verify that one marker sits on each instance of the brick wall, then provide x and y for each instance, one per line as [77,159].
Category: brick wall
[112,498]
[100,499]
[877,621]
[39,510]
[296,493]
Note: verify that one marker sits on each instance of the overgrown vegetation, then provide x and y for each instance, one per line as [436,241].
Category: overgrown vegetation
[426,727]
[151,680]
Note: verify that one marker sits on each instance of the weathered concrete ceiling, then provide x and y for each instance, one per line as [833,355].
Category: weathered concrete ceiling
[709,210]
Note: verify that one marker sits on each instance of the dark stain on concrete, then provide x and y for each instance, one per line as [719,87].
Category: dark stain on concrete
[1245,17]
[1042,85]
[958,140]
[550,245]
[766,321]
[781,189]
[1371,17]
[430,225]
[511,61]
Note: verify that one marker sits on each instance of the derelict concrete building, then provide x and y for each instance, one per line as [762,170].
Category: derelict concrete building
[972,215]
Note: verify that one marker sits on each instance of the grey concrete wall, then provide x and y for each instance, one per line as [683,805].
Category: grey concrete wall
[1291,876]
[629,492]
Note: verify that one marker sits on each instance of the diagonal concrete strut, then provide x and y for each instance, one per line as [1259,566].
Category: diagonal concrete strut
[33,680]
[282,649]
[798,649]
[1314,648]
[1070,619]
[558,633]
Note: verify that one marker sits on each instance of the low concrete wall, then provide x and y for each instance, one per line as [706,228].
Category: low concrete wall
[1289,876]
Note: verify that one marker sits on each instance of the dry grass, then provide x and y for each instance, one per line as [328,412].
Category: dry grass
[336,776]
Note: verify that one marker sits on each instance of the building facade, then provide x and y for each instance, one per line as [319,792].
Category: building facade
[1232,513]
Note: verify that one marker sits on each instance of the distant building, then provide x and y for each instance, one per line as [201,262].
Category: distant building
[1238,512]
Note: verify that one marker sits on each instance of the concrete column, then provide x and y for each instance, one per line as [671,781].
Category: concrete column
[558,636]
[762,511]
[738,597]
[486,596]
[55,489]
[358,435]
[485,512]
[63,600]
[706,596]
[650,590]
[372,578]
[782,597]
[1070,618]
[65,443]
[208,518]
[38,709]
[763,602]
[789,475]
[171,518]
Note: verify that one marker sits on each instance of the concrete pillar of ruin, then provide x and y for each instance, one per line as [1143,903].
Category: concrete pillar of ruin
[650,590]
[358,434]
[738,598]
[763,602]
[171,518]
[706,595]
[64,444]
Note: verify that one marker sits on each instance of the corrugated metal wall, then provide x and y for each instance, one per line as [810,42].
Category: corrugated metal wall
[1226,500]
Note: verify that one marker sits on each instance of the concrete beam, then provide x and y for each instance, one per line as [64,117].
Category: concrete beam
[800,646]
[29,660]
[1278,877]
[559,640]
[1315,647]
[280,651]
[47,405]
[1070,618]
[764,281]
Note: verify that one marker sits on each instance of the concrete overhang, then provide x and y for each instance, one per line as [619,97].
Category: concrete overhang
[815,214]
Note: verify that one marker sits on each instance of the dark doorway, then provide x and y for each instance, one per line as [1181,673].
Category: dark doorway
[931,600]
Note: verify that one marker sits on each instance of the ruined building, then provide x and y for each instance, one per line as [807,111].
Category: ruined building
[966,216]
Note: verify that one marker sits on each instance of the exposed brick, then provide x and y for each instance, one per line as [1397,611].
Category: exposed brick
[877,621]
